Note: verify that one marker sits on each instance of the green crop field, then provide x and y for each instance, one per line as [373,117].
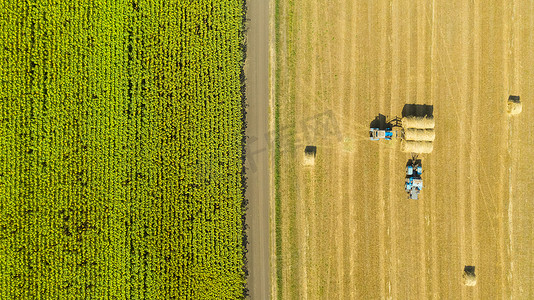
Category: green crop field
[121,144]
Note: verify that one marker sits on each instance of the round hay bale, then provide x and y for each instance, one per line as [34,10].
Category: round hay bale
[514,107]
[469,279]
[414,134]
[417,146]
[418,122]
[309,155]
[309,159]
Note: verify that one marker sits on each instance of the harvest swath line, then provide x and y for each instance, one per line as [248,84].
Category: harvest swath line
[474,129]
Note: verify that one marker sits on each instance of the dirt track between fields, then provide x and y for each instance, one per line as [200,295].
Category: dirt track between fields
[258,146]
[347,230]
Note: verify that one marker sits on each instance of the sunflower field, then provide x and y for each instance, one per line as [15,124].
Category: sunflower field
[121,149]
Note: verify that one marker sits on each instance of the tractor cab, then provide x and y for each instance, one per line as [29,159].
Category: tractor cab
[413,187]
[413,182]
[376,134]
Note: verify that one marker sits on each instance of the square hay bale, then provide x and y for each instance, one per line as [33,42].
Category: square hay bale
[309,155]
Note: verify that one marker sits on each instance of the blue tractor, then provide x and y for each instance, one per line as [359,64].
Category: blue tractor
[387,134]
[413,183]
[385,130]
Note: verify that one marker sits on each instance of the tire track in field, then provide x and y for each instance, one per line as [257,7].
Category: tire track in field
[281,259]
[326,68]
[504,148]
[394,97]
[516,46]
[351,132]
[408,240]
[421,96]
[298,240]
[300,232]
[428,96]
[486,177]
[324,82]
[489,195]
[473,154]
[349,97]
[323,204]
[493,199]
[433,71]
[332,92]
[352,243]
[285,246]
[336,55]
[289,251]
[342,169]
[462,153]
[512,150]
[401,240]
[316,197]
[411,238]
[454,236]
[366,215]
[447,236]
[383,253]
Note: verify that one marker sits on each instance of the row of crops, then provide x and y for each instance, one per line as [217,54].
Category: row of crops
[121,137]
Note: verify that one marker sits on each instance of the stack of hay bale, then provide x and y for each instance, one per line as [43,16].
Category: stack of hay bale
[418,134]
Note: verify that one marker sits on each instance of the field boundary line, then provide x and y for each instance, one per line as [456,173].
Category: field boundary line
[272,139]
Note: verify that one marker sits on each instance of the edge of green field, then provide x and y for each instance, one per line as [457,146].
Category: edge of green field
[122,147]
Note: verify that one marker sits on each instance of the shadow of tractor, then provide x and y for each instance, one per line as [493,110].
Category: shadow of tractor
[380,122]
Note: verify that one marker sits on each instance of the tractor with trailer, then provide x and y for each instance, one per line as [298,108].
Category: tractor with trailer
[416,134]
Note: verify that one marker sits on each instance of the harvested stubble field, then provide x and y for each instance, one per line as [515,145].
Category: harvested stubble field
[344,228]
